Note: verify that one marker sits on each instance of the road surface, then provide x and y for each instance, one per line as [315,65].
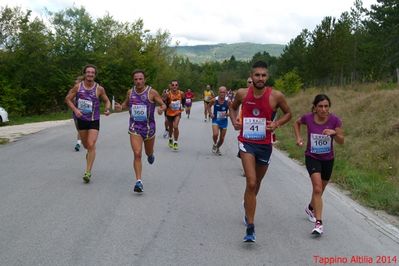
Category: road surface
[189,214]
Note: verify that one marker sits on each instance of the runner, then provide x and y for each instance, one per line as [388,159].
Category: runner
[141,100]
[208,95]
[219,119]
[189,95]
[83,99]
[164,97]
[259,103]
[323,128]
[78,141]
[175,100]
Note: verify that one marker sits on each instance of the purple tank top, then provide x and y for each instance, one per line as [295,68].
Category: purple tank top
[141,111]
[320,146]
[88,103]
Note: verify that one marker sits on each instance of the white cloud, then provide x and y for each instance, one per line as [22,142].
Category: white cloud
[210,21]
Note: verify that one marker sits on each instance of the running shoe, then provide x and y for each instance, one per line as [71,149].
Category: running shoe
[214,148]
[170,143]
[310,215]
[151,159]
[165,134]
[138,187]
[77,147]
[218,152]
[250,234]
[86,177]
[318,229]
[175,146]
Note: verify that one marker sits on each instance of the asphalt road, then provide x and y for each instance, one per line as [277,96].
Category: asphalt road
[189,214]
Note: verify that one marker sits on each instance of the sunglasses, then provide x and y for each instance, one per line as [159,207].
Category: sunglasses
[174,85]
[249,82]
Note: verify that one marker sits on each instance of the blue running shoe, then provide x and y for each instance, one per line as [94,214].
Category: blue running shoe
[151,159]
[138,187]
[250,234]
[77,147]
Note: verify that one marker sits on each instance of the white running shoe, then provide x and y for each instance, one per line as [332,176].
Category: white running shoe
[214,148]
[165,134]
[318,229]
[310,215]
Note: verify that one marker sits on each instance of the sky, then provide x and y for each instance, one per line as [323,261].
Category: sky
[209,21]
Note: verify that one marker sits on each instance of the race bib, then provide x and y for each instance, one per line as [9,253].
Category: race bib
[85,106]
[188,100]
[207,98]
[139,112]
[254,128]
[175,105]
[320,144]
[220,115]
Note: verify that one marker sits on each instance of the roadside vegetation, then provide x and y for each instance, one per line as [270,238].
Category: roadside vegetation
[367,164]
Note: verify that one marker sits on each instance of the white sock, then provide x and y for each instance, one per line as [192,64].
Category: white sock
[79,142]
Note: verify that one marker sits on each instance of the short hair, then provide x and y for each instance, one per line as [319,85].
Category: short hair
[87,66]
[259,64]
[174,80]
[138,71]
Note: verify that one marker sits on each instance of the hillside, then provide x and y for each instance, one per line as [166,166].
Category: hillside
[219,52]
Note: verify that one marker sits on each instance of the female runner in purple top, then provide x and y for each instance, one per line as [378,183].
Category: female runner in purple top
[322,129]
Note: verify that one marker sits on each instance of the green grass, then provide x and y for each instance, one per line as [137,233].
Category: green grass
[3,141]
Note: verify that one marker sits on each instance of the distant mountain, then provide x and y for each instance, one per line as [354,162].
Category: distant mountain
[219,52]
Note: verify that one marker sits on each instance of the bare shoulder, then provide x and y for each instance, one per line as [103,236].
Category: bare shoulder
[153,92]
[242,93]
[100,89]
[278,95]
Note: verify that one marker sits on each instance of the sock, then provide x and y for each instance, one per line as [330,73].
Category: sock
[79,142]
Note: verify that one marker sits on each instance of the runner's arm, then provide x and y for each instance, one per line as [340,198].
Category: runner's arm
[70,100]
[283,105]
[106,100]
[297,131]
[120,107]
[234,108]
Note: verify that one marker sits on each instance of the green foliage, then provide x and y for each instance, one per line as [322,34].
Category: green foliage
[290,83]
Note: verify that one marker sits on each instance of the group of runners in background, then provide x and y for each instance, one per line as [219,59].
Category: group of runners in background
[252,111]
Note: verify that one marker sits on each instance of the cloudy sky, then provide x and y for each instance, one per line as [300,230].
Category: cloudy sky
[209,21]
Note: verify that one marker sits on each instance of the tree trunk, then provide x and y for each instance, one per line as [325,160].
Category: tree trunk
[397,75]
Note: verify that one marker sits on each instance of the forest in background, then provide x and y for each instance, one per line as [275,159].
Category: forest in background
[40,58]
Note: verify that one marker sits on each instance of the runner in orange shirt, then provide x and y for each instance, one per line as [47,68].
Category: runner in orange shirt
[174,101]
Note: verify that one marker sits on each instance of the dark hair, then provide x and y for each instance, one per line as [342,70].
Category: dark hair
[138,71]
[260,64]
[319,98]
[87,66]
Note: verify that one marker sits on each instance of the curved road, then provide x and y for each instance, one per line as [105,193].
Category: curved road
[189,214]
